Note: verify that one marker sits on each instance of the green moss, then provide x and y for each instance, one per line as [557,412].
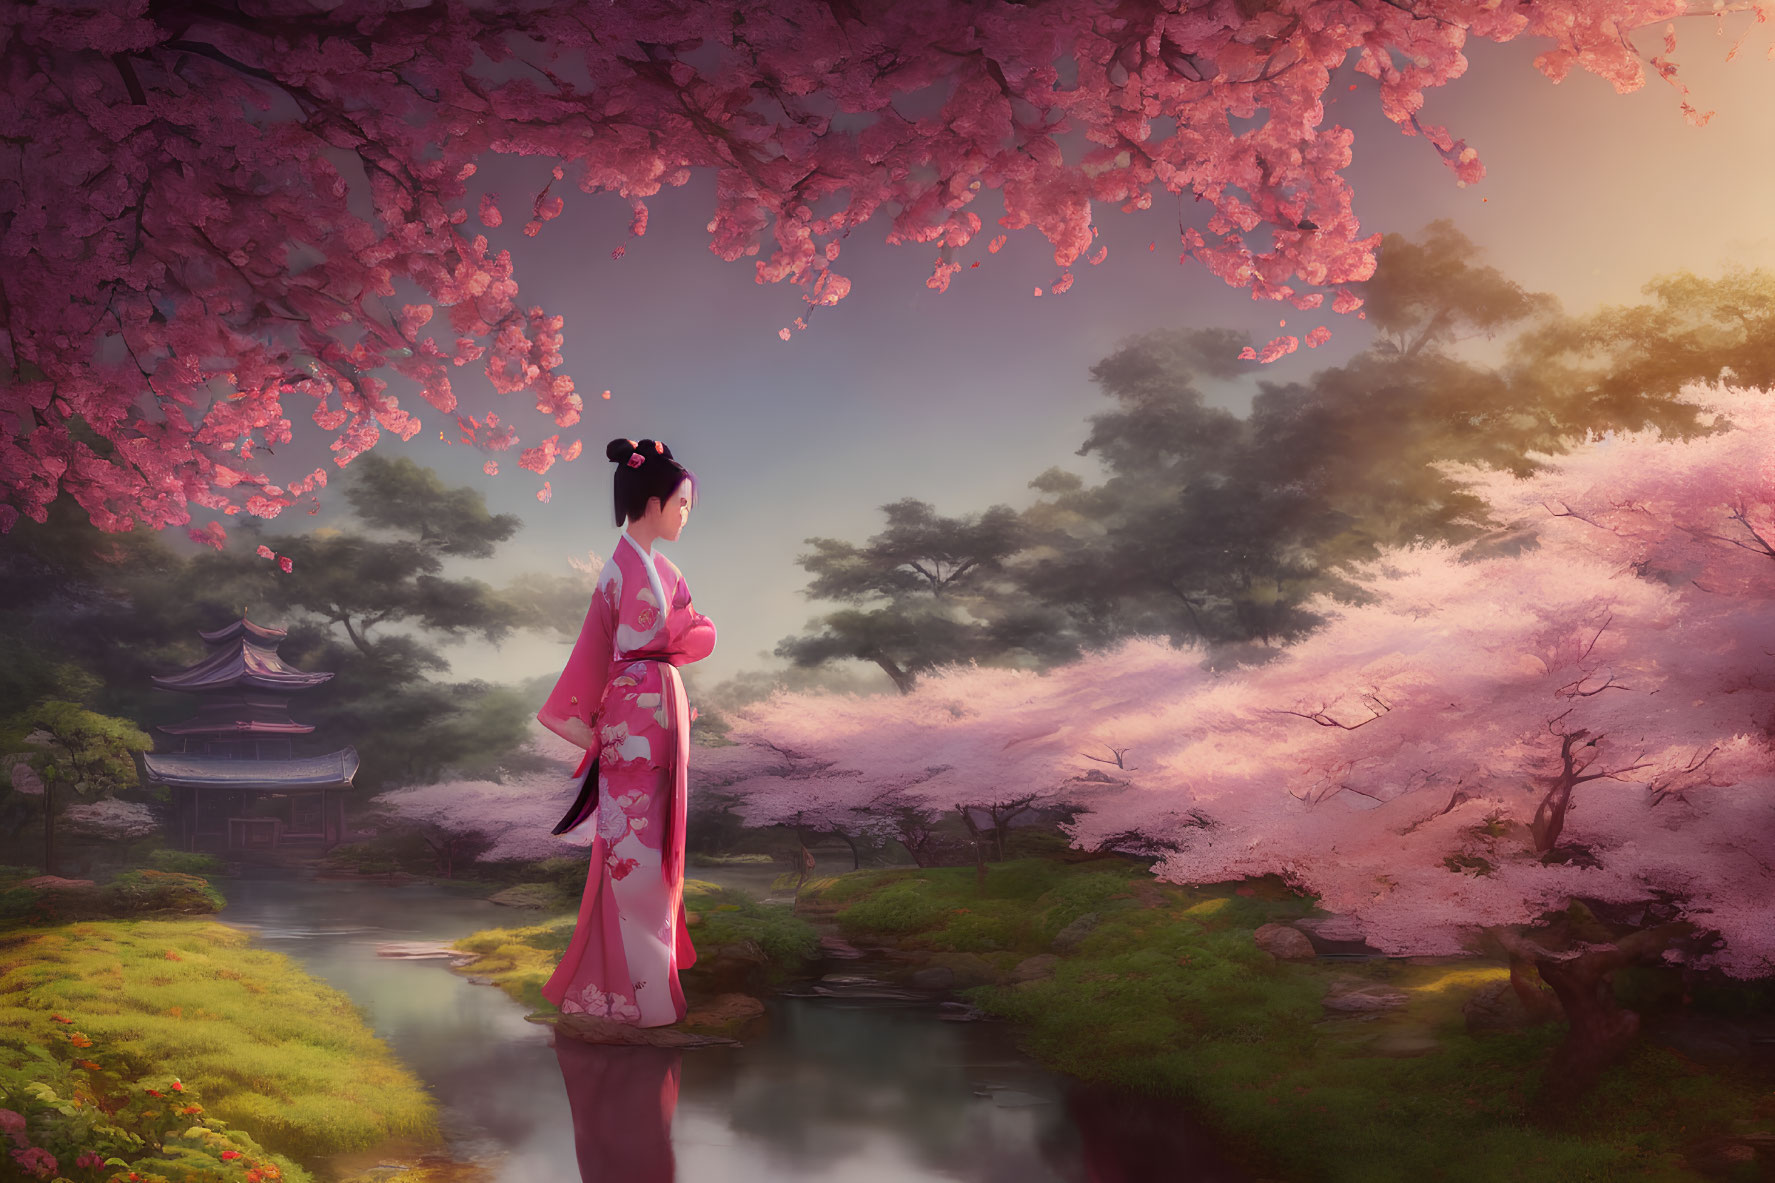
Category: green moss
[1168,994]
[274,1052]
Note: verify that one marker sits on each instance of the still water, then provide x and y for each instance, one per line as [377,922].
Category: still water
[832,1090]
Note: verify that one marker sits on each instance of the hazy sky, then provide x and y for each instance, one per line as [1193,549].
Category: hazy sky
[960,398]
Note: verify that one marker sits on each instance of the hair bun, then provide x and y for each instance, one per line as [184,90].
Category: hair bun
[619,450]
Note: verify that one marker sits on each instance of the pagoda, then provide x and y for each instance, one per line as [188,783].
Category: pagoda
[235,780]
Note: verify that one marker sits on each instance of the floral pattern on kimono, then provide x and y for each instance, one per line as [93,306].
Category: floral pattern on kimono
[622,681]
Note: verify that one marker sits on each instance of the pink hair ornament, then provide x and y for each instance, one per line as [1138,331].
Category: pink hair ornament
[636,459]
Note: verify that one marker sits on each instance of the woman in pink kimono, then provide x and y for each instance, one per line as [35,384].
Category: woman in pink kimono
[621,699]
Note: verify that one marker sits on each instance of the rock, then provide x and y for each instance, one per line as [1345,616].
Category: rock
[960,1012]
[525,895]
[602,1030]
[1035,969]
[1331,928]
[417,950]
[1284,942]
[809,908]
[1497,1007]
[831,946]
[725,1010]
[1070,937]
[1356,995]
[1017,1099]
[934,977]
[737,968]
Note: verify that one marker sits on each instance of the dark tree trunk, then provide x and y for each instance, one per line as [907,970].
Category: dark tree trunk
[1601,1028]
[967,818]
[49,825]
[1583,981]
[905,680]
[1534,999]
[856,859]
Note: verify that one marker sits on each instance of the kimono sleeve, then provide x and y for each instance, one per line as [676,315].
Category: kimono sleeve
[692,635]
[581,687]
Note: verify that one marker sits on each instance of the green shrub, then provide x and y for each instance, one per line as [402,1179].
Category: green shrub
[186,862]
[93,1107]
[900,909]
[136,893]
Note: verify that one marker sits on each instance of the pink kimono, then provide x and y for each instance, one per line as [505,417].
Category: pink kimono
[622,680]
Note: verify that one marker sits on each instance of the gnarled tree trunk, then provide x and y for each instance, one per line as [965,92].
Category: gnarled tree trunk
[1583,980]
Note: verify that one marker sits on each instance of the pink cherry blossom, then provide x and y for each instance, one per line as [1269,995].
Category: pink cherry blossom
[230,207]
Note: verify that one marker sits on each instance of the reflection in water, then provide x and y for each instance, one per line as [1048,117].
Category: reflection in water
[622,1100]
[828,1089]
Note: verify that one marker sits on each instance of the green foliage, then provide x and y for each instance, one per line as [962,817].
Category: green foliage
[727,917]
[186,862]
[92,752]
[904,908]
[136,893]
[279,1057]
[95,1110]
[924,591]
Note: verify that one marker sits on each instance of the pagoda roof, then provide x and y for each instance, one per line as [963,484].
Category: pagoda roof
[334,770]
[244,714]
[197,725]
[258,632]
[240,664]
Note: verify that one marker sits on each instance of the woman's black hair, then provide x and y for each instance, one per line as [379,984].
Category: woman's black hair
[657,475]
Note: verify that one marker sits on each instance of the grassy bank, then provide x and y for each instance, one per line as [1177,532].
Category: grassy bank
[1163,990]
[112,1026]
[520,959]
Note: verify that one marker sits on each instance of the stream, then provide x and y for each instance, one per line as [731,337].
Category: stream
[834,1089]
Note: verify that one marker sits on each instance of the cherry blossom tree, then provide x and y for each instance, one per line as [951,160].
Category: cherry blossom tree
[213,209]
[111,818]
[1494,736]
[491,821]
[985,744]
[1557,738]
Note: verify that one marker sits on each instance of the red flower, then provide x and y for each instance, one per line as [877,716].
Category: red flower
[231,1154]
[177,1087]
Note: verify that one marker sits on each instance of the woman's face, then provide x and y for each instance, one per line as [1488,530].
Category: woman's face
[675,513]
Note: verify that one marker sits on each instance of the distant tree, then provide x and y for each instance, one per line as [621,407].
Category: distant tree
[923,590]
[1625,366]
[67,744]
[977,744]
[1219,528]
